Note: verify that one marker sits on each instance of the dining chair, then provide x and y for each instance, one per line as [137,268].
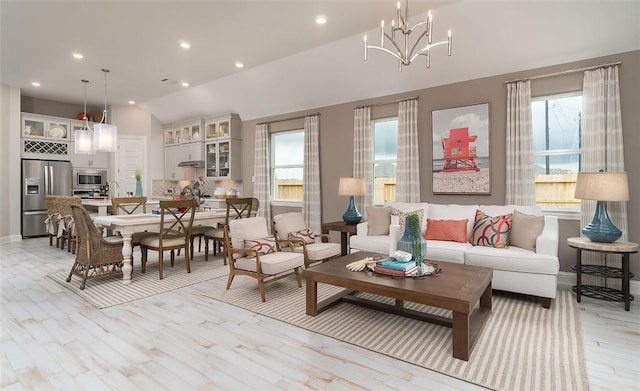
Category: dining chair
[128,206]
[53,217]
[291,226]
[95,256]
[237,208]
[176,220]
[67,225]
[251,252]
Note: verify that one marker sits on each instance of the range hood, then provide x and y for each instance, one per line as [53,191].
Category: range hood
[192,163]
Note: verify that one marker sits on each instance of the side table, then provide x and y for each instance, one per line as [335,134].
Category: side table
[344,229]
[603,292]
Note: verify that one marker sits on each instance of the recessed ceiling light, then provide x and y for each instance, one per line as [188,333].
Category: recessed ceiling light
[321,19]
[132,102]
[185,44]
[239,64]
[35,84]
[78,56]
[185,84]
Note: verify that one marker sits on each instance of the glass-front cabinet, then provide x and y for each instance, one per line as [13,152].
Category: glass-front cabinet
[223,147]
[183,141]
[45,137]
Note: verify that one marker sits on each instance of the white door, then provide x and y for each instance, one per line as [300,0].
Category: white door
[131,156]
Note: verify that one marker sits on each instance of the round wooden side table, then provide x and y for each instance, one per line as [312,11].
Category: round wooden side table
[603,292]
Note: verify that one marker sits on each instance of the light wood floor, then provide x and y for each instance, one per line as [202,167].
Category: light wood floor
[52,339]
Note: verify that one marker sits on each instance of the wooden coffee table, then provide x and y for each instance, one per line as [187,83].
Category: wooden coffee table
[458,288]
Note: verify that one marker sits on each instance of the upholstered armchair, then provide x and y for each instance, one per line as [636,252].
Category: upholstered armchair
[291,226]
[251,252]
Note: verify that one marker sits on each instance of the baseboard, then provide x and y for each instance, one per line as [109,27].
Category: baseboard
[10,238]
[568,279]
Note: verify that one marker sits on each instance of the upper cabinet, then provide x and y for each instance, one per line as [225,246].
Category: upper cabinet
[184,132]
[223,147]
[45,137]
[96,160]
[222,127]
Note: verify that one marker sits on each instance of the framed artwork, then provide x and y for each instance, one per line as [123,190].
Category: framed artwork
[460,162]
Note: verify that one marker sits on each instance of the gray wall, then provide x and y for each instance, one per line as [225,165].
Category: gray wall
[336,138]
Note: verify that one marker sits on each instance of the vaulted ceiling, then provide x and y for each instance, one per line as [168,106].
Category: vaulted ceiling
[290,62]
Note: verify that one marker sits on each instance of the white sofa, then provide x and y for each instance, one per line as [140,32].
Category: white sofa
[515,269]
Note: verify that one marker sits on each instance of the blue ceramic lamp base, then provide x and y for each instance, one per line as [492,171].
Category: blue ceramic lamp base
[601,229]
[352,215]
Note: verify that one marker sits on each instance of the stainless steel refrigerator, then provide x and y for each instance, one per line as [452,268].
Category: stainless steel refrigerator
[39,179]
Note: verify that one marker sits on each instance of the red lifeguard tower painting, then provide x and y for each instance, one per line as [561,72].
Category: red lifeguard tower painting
[458,153]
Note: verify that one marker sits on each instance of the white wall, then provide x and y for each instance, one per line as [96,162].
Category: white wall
[10,163]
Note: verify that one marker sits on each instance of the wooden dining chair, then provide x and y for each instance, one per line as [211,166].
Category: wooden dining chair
[128,206]
[237,208]
[176,220]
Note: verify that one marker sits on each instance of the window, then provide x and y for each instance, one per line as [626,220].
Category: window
[385,157]
[287,163]
[556,122]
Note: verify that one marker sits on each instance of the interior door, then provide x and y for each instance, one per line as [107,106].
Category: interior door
[131,156]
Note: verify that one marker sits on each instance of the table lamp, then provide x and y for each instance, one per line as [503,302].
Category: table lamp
[602,187]
[351,187]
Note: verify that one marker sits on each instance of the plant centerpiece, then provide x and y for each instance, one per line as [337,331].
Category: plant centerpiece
[138,177]
[412,240]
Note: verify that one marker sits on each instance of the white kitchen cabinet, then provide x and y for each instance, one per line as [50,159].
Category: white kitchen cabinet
[226,126]
[182,142]
[223,159]
[45,137]
[172,156]
[191,151]
[97,160]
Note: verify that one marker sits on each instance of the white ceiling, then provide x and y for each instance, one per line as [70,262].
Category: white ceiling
[290,62]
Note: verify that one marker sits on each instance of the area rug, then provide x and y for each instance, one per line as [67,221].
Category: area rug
[522,346]
[109,291]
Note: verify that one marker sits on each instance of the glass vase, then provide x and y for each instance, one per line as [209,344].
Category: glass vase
[413,243]
[138,189]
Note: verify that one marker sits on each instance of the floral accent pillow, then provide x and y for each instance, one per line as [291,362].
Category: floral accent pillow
[263,246]
[306,235]
[490,231]
[402,217]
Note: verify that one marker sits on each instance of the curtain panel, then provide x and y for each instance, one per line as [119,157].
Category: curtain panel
[261,171]
[520,173]
[408,172]
[363,154]
[311,205]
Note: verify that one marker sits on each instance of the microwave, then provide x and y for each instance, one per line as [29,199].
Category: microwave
[86,179]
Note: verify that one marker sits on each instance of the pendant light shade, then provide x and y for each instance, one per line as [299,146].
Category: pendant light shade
[82,136]
[105,135]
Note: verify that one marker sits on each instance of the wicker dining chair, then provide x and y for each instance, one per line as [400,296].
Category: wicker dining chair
[67,224]
[53,217]
[95,256]
[176,220]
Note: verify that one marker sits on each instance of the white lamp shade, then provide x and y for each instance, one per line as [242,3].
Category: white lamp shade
[105,137]
[351,187]
[83,142]
[602,186]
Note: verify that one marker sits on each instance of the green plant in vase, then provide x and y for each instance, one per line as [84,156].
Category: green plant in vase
[138,177]
[412,240]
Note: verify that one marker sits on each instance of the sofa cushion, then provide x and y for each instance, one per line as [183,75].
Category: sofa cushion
[512,259]
[492,231]
[454,230]
[379,219]
[410,207]
[442,250]
[377,244]
[495,210]
[525,229]
[453,212]
[402,217]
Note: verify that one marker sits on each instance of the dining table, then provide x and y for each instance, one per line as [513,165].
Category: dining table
[127,225]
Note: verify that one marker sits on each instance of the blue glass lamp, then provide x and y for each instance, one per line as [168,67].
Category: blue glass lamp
[351,187]
[602,187]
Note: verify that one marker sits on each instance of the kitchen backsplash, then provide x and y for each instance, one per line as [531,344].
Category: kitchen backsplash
[161,186]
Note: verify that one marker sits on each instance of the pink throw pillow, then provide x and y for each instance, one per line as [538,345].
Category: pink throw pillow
[449,230]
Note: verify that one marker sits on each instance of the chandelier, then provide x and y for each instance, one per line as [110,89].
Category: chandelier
[405,52]
[82,136]
[105,135]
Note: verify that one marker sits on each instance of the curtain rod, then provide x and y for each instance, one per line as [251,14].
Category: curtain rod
[287,119]
[565,72]
[387,103]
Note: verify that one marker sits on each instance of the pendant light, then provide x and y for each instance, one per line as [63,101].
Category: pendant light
[82,136]
[105,135]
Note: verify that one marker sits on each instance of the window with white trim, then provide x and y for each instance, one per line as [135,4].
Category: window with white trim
[385,159]
[287,164]
[556,122]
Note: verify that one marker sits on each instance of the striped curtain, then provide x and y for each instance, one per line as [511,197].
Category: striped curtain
[363,154]
[602,146]
[311,204]
[520,180]
[261,170]
[408,174]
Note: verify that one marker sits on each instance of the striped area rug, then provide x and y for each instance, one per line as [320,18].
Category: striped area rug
[522,346]
[109,291]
